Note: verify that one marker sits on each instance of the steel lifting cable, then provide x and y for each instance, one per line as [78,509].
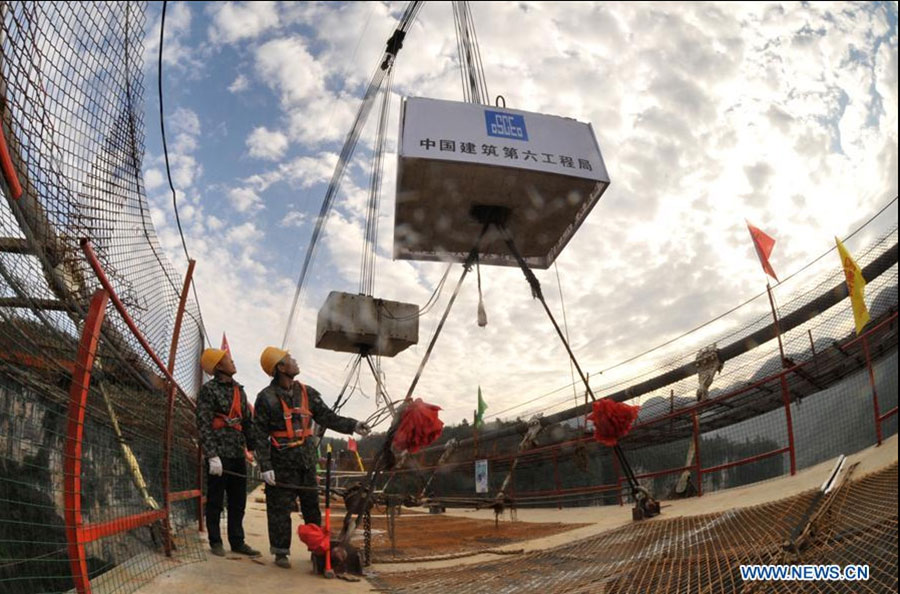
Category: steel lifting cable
[338,403]
[475,49]
[467,83]
[471,68]
[467,265]
[380,415]
[370,243]
[562,302]
[429,305]
[379,385]
[477,92]
[384,452]
[162,128]
[393,46]
[538,294]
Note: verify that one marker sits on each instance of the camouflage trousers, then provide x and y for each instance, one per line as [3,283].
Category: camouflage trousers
[280,500]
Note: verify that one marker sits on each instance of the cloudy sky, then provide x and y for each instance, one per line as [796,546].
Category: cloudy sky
[706,114]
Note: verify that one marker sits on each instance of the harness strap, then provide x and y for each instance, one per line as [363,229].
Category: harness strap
[233,419]
[293,437]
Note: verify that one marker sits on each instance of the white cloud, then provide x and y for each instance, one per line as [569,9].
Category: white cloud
[177,52]
[214,223]
[294,219]
[185,170]
[322,119]
[153,178]
[267,144]
[184,121]
[287,66]
[309,171]
[242,235]
[234,21]
[239,84]
[244,199]
[706,114]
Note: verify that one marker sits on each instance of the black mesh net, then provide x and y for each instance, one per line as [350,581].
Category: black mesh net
[71,87]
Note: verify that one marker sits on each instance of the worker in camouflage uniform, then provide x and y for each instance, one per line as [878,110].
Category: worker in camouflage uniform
[290,460]
[225,424]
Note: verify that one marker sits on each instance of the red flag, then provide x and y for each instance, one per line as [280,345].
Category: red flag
[351,444]
[763,244]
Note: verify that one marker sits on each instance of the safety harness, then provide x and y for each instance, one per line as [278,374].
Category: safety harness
[233,419]
[292,437]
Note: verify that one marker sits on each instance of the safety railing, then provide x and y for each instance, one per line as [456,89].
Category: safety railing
[771,433]
[78,533]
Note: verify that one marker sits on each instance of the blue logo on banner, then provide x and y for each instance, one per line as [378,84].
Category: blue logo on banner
[505,125]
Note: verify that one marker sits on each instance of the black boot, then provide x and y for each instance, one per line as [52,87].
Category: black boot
[282,561]
[245,549]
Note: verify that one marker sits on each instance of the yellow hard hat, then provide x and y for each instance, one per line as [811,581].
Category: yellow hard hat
[271,356]
[210,358]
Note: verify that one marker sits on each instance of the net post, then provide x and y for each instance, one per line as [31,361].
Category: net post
[78,395]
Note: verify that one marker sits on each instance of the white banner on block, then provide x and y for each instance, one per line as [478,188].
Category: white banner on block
[472,133]
[481,476]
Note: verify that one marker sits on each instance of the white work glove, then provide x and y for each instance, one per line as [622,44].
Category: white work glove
[269,477]
[362,428]
[215,466]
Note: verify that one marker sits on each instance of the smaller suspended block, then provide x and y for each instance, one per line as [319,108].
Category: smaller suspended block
[458,161]
[351,323]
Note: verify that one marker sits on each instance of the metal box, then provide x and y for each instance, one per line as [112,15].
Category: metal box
[546,171]
[351,323]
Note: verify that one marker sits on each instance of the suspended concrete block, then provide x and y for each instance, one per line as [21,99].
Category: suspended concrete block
[541,174]
[355,323]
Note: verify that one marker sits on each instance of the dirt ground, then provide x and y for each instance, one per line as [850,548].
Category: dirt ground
[426,535]
[420,534]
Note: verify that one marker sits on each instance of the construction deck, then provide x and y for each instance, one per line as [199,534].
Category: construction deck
[695,543]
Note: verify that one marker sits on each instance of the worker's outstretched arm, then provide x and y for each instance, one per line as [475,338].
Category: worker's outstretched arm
[325,416]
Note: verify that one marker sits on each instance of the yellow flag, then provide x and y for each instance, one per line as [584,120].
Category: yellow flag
[856,286]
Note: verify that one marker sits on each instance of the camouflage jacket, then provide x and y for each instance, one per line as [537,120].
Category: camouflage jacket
[270,417]
[215,397]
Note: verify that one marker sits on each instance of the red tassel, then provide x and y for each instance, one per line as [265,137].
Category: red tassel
[419,427]
[314,537]
[612,420]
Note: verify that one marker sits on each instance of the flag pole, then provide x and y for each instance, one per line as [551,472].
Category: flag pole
[784,363]
[475,431]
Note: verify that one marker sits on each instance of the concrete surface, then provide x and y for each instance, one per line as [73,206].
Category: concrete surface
[237,574]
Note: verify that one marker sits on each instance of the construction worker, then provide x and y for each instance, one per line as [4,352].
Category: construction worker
[288,465]
[225,424]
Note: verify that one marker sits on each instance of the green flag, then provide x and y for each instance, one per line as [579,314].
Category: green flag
[479,416]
